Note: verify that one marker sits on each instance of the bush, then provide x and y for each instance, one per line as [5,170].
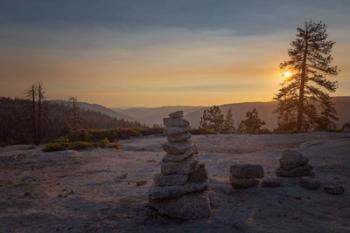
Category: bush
[200,131]
[151,131]
[55,146]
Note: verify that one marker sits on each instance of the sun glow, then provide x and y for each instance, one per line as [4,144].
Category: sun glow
[287,74]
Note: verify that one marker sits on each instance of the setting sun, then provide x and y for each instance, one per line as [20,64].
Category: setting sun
[287,74]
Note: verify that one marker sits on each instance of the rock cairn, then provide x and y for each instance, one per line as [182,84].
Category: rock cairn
[245,176]
[180,190]
[293,164]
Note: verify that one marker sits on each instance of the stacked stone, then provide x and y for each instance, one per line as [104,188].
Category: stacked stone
[245,176]
[179,191]
[293,164]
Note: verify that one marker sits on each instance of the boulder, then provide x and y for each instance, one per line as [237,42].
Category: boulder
[271,182]
[243,183]
[292,159]
[176,122]
[179,137]
[178,148]
[247,171]
[177,114]
[167,192]
[310,183]
[199,174]
[184,167]
[170,180]
[296,172]
[170,131]
[334,189]
[192,206]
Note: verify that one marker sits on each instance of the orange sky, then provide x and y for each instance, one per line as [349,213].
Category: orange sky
[160,67]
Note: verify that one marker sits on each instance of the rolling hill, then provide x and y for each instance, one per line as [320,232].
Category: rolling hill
[97,108]
[152,116]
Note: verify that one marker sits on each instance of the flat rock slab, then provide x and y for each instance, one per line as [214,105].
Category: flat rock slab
[157,193]
[175,122]
[243,183]
[170,131]
[310,183]
[177,158]
[192,206]
[304,170]
[271,182]
[184,167]
[179,137]
[170,180]
[247,171]
[199,175]
[292,159]
[177,114]
[178,148]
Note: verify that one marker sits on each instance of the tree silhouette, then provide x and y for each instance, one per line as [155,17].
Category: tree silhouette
[41,96]
[75,112]
[31,94]
[252,124]
[306,90]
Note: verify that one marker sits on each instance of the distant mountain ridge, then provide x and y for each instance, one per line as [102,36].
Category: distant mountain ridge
[150,116]
[97,108]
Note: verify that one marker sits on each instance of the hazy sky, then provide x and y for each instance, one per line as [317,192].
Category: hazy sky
[159,52]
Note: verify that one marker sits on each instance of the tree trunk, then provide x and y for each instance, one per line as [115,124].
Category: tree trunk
[302,87]
[34,132]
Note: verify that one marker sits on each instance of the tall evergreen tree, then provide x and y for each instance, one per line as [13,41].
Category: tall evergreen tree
[306,91]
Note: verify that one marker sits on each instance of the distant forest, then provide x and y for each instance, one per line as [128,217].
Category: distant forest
[57,120]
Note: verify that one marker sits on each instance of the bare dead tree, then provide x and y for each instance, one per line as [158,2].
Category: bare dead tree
[31,94]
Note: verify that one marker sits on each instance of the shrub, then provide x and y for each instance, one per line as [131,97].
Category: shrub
[200,131]
[55,146]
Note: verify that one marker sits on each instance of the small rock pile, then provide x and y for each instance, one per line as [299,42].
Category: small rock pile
[293,164]
[179,191]
[245,176]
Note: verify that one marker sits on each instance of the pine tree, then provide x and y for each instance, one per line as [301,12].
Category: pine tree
[252,124]
[229,123]
[212,119]
[302,94]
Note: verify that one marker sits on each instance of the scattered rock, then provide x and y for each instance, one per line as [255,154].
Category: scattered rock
[122,176]
[140,183]
[292,159]
[247,171]
[296,172]
[310,183]
[334,189]
[271,182]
